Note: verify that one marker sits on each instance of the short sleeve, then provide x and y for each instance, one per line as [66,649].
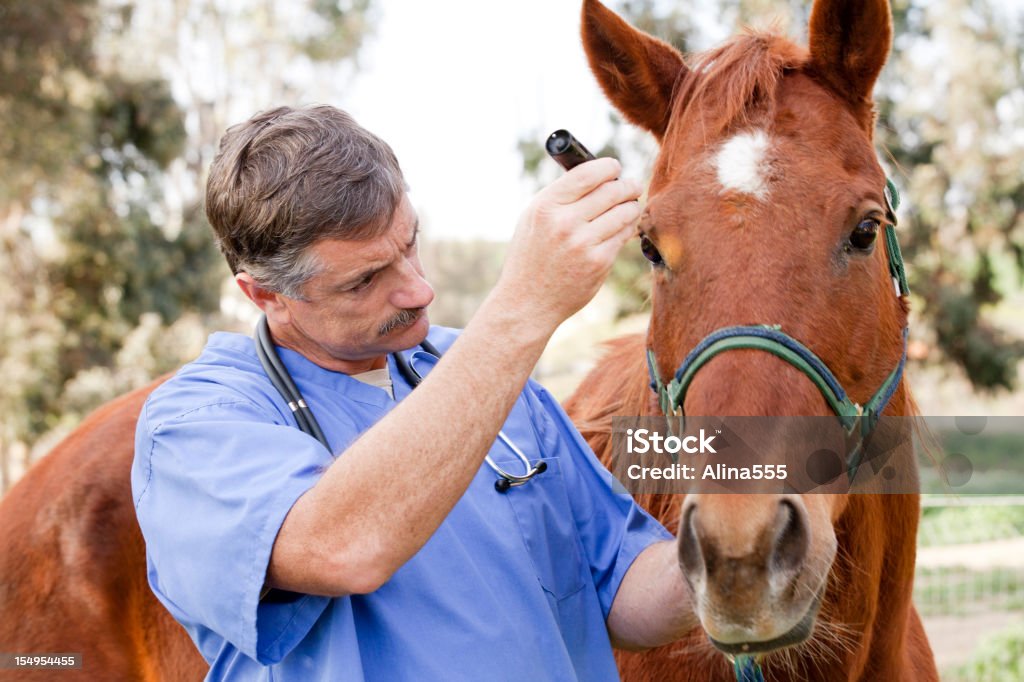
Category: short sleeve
[613,529]
[212,487]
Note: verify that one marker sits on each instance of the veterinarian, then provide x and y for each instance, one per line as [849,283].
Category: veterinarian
[396,552]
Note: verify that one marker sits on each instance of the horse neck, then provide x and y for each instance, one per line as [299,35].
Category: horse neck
[619,386]
[871,583]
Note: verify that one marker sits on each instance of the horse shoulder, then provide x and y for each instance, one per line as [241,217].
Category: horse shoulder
[613,387]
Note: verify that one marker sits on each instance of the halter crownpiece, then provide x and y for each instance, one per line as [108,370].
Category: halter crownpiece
[771,339]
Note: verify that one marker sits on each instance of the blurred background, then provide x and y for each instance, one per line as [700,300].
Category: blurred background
[110,112]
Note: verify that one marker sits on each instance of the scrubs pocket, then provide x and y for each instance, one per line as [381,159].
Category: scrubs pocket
[541,508]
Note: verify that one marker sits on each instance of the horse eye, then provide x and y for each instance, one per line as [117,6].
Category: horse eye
[863,236]
[650,251]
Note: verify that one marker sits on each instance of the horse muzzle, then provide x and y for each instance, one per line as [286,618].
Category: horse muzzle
[757,565]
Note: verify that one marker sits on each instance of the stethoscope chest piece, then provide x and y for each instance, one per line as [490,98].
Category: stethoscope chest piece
[506,480]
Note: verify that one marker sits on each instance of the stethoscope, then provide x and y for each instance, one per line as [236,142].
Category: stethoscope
[285,385]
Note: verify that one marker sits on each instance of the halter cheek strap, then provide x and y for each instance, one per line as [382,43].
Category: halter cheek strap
[892,245]
[771,339]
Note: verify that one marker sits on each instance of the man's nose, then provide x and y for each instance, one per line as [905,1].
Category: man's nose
[414,291]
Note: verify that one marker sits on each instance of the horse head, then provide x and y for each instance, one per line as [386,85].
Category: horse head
[767,206]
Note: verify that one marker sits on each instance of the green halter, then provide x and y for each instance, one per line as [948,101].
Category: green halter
[771,339]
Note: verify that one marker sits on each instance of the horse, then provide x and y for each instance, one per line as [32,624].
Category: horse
[764,206]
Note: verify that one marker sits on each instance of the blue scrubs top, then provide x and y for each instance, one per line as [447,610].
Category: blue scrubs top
[513,586]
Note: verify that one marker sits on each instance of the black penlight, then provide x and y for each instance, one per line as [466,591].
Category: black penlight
[567,150]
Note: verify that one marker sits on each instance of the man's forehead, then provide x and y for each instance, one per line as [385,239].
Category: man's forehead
[405,221]
[402,227]
[378,250]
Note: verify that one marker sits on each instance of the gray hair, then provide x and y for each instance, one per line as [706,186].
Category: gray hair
[288,178]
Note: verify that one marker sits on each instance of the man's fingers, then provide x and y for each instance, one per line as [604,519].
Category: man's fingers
[583,179]
[569,236]
[610,248]
[617,223]
[607,195]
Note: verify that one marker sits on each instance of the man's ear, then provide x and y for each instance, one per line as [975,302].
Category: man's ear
[849,42]
[637,71]
[270,302]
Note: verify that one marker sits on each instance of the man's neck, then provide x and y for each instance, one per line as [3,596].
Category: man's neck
[320,357]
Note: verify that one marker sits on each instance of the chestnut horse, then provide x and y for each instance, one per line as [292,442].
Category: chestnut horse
[764,205]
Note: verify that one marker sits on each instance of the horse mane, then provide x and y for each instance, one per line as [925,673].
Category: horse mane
[735,84]
[620,388]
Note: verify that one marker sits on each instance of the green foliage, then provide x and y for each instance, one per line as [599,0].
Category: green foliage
[949,104]
[110,282]
[139,120]
[631,279]
[343,23]
[958,525]
[999,658]
[45,50]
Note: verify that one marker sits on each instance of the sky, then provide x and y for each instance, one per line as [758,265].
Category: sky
[452,85]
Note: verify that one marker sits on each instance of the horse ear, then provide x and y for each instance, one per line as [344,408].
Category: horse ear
[849,44]
[636,71]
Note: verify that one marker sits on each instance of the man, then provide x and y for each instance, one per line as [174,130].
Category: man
[391,555]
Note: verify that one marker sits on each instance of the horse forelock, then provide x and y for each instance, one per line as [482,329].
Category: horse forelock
[734,85]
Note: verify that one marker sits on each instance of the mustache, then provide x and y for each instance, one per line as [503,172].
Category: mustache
[404,318]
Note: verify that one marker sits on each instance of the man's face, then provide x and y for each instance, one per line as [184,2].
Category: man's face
[369,299]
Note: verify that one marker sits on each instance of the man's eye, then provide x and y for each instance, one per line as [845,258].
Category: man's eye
[363,284]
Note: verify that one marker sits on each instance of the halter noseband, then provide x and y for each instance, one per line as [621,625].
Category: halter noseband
[771,339]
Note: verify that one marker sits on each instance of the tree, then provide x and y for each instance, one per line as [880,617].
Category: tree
[111,111]
[951,111]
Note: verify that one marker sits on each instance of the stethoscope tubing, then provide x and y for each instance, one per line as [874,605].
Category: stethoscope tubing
[507,480]
[285,385]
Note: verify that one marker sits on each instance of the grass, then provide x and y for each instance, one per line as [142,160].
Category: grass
[960,525]
[998,658]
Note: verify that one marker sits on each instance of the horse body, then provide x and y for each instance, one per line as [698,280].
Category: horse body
[73,565]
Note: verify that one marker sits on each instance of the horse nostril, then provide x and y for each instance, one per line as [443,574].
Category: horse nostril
[689,546]
[791,538]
